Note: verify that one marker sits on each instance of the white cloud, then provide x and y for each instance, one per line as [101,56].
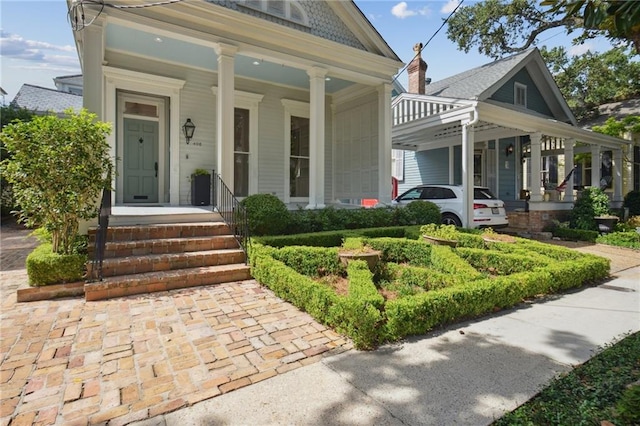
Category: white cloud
[580,49]
[401,11]
[450,6]
[14,46]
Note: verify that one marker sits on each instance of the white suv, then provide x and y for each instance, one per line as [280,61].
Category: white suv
[488,211]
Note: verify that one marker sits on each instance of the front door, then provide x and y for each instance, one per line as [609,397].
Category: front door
[140,161]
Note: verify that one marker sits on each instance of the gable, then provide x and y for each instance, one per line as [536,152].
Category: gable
[318,18]
[535,100]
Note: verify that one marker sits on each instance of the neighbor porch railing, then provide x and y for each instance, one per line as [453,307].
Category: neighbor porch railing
[232,212]
[101,236]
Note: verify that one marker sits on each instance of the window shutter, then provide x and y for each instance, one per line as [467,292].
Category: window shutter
[397,158]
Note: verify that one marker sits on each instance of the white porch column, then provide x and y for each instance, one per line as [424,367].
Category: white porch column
[93,78]
[568,166]
[384,144]
[316,137]
[536,165]
[468,140]
[618,167]
[595,166]
[224,112]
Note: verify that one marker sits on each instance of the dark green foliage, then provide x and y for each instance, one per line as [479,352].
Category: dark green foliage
[400,250]
[268,215]
[422,212]
[498,263]
[592,202]
[311,261]
[571,234]
[632,202]
[629,239]
[335,238]
[588,394]
[44,267]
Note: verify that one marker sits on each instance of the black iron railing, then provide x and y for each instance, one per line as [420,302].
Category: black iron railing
[232,212]
[101,235]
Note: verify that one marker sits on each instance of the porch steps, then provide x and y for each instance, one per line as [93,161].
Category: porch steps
[131,216]
[150,258]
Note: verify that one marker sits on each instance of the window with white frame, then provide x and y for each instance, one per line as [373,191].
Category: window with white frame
[520,95]
[297,150]
[397,164]
[285,9]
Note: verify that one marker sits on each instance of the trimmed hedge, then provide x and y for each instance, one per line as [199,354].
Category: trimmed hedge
[334,238]
[453,289]
[571,234]
[44,267]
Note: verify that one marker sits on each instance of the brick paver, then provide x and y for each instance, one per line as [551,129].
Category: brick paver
[74,362]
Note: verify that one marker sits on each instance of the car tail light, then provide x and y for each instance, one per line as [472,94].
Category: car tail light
[480,206]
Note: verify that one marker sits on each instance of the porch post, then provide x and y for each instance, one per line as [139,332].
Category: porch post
[468,141]
[595,166]
[536,165]
[568,166]
[384,144]
[617,177]
[316,137]
[452,178]
[224,112]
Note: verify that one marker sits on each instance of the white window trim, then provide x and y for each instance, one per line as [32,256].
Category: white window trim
[397,160]
[292,109]
[250,101]
[119,79]
[287,10]
[519,86]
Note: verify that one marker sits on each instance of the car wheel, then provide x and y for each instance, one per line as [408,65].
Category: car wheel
[451,219]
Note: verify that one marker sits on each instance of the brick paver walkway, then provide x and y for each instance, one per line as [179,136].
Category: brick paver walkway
[73,362]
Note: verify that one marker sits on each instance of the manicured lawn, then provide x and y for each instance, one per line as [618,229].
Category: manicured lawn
[589,394]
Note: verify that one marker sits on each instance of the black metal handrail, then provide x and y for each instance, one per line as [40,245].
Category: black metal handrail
[101,235]
[233,213]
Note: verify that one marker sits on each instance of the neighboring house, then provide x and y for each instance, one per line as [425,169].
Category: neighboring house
[288,97]
[504,125]
[69,83]
[620,110]
[41,100]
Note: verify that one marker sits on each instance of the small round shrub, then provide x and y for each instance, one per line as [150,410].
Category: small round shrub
[422,213]
[268,215]
[632,201]
[592,202]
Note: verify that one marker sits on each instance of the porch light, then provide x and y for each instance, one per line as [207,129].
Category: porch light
[508,150]
[188,128]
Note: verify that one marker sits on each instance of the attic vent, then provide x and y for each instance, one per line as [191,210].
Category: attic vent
[289,10]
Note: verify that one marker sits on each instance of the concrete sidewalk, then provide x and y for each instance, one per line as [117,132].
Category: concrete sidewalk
[469,374]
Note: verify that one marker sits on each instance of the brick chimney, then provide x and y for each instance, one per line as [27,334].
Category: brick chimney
[417,70]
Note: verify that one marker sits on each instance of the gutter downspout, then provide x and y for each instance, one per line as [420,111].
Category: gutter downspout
[467,167]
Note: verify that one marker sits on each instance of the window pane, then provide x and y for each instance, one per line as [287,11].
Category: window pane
[140,109]
[299,177]
[241,130]
[241,175]
[299,137]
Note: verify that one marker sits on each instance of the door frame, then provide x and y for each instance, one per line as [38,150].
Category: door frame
[160,105]
[118,79]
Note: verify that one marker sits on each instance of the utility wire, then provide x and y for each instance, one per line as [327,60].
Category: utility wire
[428,41]
[76,15]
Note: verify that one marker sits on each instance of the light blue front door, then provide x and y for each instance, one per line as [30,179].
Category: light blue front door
[140,161]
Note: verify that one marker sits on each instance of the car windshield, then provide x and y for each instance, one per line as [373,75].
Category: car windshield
[483,194]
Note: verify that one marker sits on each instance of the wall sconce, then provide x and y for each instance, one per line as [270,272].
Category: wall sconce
[188,128]
[508,150]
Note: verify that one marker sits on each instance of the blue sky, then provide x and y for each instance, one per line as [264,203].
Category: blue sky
[37,44]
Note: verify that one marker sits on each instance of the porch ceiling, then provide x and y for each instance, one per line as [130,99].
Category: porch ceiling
[173,50]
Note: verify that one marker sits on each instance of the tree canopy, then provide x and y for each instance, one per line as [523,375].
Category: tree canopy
[503,27]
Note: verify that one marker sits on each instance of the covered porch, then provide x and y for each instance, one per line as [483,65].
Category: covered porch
[525,158]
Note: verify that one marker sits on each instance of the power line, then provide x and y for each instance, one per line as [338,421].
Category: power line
[428,41]
[76,15]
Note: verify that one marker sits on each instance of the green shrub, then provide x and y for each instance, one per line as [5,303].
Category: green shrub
[444,259]
[592,202]
[44,267]
[400,250]
[268,215]
[311,261]
[335,238]
[500,263]
[422,213]
[628,408]
[571,234]
[632,201]
[629,239]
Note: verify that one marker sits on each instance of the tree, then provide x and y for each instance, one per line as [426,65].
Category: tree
[58,168]
[503,27]
[592,79]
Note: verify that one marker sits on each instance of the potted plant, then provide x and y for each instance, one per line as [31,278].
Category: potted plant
[444,235]
[200,188]
[356,249]
[606,223]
